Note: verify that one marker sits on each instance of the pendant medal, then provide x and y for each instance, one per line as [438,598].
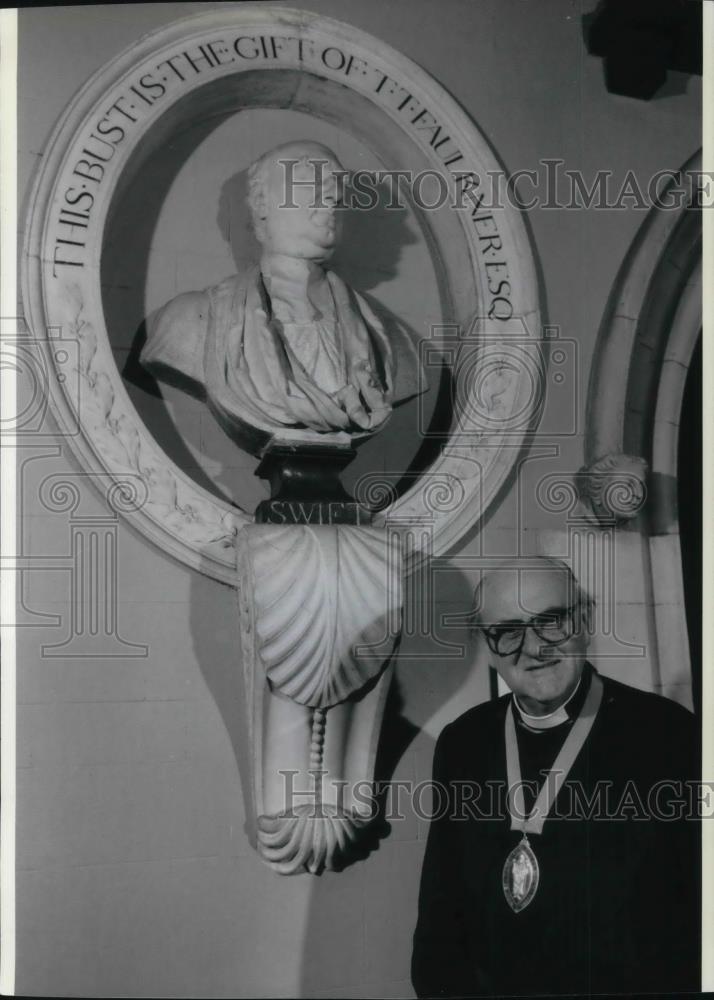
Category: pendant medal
[520,876]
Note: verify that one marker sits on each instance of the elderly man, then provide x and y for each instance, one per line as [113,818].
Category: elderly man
[564,857]
[287,346]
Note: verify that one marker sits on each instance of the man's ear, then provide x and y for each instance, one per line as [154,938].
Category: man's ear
[483,650]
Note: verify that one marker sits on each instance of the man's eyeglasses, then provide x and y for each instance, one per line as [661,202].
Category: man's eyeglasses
[552,628]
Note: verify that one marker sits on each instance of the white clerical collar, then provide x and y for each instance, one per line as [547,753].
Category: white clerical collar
[552,719]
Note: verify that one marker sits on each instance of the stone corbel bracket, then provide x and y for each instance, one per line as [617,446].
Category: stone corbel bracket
[614,488]
[320,615]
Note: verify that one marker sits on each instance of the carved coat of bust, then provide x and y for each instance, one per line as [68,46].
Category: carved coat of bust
[286,349]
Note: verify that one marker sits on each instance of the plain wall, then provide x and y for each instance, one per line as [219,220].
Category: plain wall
[135,876]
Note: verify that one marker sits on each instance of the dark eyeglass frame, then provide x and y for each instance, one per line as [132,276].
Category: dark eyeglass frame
[539,623]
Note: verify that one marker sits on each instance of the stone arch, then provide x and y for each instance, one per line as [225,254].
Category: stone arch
[647,338]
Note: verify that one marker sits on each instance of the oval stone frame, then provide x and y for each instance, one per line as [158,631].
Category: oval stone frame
[260,56]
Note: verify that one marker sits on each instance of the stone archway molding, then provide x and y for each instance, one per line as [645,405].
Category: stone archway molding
[657,276]
[647,338]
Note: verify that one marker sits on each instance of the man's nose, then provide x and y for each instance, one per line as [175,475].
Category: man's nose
[532,644]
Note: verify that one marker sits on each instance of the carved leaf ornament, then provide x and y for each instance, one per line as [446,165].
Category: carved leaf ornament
[117,439]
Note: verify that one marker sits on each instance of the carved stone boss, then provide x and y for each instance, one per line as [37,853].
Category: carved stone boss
[614,488]
[319,606]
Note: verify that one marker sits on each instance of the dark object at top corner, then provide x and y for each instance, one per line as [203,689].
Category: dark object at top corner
[641,40]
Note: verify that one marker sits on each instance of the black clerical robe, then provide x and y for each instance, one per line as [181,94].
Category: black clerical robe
[617,907]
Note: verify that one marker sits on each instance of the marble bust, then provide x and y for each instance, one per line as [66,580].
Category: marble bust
[287,350]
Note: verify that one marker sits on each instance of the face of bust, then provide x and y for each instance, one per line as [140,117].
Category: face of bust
[310,230]
[541,676]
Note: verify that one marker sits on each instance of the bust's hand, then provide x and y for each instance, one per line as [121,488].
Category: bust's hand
[369,386]
[364,403]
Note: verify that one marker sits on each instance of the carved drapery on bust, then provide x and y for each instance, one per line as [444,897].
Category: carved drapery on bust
[287,347]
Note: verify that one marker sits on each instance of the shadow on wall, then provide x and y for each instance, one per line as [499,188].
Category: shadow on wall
[216,642]
[126,250]
[358,937]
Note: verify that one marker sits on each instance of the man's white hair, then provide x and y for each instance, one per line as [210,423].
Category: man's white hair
[524,565]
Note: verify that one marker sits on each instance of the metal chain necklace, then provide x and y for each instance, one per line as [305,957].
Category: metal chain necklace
[521,873]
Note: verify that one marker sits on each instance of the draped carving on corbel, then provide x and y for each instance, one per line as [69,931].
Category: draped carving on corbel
[320,615]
